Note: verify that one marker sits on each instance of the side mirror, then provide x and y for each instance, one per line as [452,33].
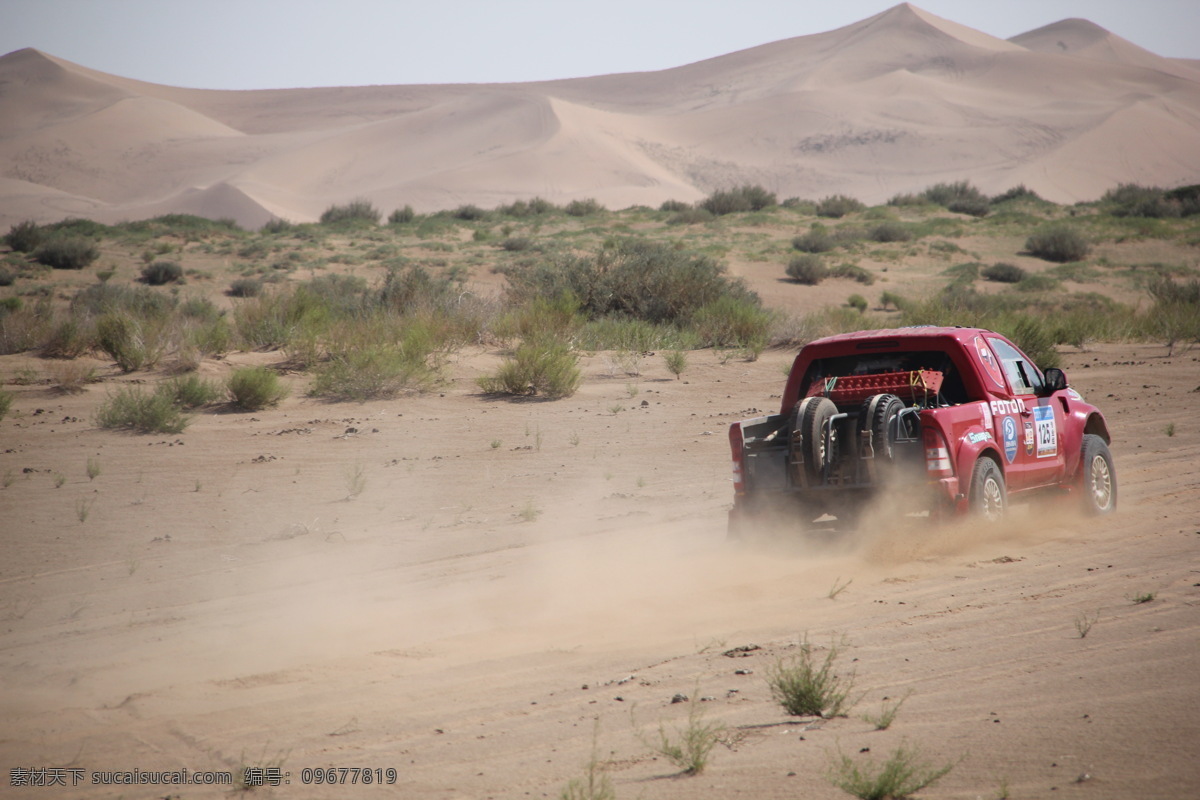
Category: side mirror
[1056,380]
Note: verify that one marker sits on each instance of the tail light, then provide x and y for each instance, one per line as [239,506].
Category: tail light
[937,456]
[736,444]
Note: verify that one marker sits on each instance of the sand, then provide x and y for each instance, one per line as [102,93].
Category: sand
[511,572]
[884,106]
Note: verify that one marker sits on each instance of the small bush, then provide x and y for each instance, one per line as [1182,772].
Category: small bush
[255,388]
[674,206]
[732,321]
[24,237]
[692,745]
[1060,243]
[469,213]
[133,408]
[808,269]
[960,197]
[191,391]
[359,210]
[275,226]
[817,240]
[890,232]
[66,252]
[131,341]
[245,287]
[853,272]
[377,369]
[901,775]
[805,686]
[583,208]
[676,361]
[161,272]
[732,201]
[691,216]
[70,337]
[858,302]
[544,368]
[7,277]
[517,244]
[1003,273]
[1018,192]
[402,216]
[838,205]
[6,399]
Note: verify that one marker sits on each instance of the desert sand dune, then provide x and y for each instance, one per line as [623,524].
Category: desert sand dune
[883,106]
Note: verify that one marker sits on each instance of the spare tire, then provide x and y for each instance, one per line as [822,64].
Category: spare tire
[876,416]
[811,416]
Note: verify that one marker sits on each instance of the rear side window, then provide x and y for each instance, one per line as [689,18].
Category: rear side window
[1022,375]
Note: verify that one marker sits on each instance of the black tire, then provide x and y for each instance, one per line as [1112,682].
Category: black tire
[813,415]
[989,497]
[876,416]
[1098,477]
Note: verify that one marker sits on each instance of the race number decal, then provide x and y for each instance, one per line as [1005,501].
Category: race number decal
[1047,433]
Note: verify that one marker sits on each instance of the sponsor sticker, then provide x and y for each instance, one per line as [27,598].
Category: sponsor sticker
[1047,432]
[989,361]
[1028,438]
[977,437]
[1006,406]
[1008,427]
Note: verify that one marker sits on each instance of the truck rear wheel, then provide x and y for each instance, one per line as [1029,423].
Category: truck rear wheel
[989,497]
[1099,477]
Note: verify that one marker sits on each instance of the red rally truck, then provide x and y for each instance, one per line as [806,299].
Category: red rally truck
[950,420]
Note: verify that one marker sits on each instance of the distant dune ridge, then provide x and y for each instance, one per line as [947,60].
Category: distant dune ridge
[890,104]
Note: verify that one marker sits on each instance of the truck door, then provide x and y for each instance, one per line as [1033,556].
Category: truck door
[1029,427]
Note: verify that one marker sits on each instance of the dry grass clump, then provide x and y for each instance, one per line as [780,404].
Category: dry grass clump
[540,367]
[254,388]
[901,775]
[808,686]
[135,409]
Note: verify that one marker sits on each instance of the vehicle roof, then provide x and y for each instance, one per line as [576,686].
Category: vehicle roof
[964,335]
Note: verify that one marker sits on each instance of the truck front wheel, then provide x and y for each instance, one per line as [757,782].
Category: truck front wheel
[988,497]
[1099,477]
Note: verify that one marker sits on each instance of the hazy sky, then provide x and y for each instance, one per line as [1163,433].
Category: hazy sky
[252,44]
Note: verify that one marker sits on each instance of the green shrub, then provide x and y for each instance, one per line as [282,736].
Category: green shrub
[1133,200]
[732,321]
[275,226]
[1003,273]
[245,287]
[7,277]
[106,298]
[890,232]
[1058,242]
[469,213]
[1018,192]
[1039,283]
[808,269]
[161,272]
[691,216]
[853,272]
[583,208]
[630,277]
[817,240]
[133,408]
[674,206]
[359,210]
[517,244]
[9,305]
[808,686]
[838,205]
[960,197]
[70,337]
[402,216]
[24,237]
[6,399]
[545,368]
[748,197]
[376,371]
[133,342]
[66,252]
[255,388]
[857,301]
[900,776]
[191,391]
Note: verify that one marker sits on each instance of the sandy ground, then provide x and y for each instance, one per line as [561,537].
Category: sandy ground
[518,580]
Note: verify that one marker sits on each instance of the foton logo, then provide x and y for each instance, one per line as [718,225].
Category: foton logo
[1006,406]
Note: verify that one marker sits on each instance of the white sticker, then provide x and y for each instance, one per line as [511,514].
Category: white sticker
[1047,433]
